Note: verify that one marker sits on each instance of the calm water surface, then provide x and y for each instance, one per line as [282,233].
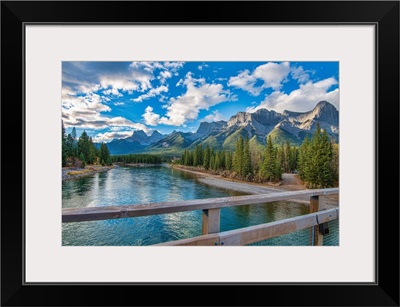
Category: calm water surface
[130,185]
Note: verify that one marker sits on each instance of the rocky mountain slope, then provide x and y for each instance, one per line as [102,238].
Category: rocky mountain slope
[257,126]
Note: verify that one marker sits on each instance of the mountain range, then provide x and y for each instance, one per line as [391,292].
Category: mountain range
[257,126]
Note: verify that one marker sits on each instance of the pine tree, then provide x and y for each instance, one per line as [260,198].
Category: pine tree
[212,163]
[315,152]
[335,161]
[315,161]
[278,167]
[63,145]
[182,159]
[270,168]
[71,146]
[247,167]
[73,133]
[238,157]
[191,160]
[93,154]
[207,157]
[222,159]
[82,158]
[104,155]
[84,147]
[286,157]
[198,155]
[304,159]
[217,161]
[325,166]
[186,158]
[294,152]
[228,161]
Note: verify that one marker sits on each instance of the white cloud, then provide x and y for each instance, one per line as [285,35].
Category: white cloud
[245,81]
[152,93]
[118,104]
[113,91]
[190,80]
[86,112]
[86,77]
[303,99]
[214,117]
[179,83]
[115,83]
[90,103]
[204,65]
[272,75]
[137,78]
[109,136]
[299,74]
[199,95]
[173,66]
[151,118]
[147,66]
[116,128]
[164,75]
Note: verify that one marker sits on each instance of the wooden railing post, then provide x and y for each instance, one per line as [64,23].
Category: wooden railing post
[211,221]
[316,237]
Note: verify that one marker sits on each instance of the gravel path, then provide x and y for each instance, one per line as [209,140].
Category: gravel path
[236,186]
[290,182]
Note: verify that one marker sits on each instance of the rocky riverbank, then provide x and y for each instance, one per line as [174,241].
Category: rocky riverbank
[76,172]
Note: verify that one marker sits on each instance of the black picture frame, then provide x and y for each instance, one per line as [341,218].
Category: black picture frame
[383,14]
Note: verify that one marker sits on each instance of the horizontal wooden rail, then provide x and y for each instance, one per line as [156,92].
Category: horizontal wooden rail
[252,234]
[116,212]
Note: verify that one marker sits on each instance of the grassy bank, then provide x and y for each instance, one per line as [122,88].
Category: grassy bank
[75,172]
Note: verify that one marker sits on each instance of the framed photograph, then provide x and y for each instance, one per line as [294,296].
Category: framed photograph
[251,146]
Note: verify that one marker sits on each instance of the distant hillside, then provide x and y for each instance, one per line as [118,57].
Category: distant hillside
[136,143]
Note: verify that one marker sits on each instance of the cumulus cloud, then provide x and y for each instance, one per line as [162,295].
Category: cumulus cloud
[113,92]
[152,93]
[116,77]
[269,75]
[88,86]
[115,83]
[303,99]
[299,74]
[245,81]
[151,118]
[164,75]
[214,117]
[173,66]
[109,136]
[137,77]
[199,95]
[86,112]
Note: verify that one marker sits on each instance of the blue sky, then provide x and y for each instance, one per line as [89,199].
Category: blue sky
[112,99]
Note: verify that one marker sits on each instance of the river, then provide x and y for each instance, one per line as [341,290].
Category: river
[140,185]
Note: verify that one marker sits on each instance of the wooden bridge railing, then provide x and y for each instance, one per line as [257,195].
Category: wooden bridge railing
[211,234]
[257,233]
